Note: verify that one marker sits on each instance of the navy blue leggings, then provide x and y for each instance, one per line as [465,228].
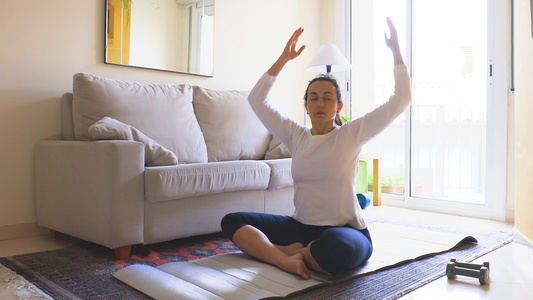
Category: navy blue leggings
[335,249]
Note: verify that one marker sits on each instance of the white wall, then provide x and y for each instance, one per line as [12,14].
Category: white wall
[43,43]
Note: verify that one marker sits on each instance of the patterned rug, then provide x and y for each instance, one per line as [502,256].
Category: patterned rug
[84,270]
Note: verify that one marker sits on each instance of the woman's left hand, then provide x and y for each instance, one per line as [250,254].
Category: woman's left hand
[392,42]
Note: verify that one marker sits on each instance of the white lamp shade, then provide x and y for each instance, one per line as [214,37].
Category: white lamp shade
[329,55]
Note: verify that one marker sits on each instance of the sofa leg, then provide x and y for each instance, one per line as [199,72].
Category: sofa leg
[55,234]
[123,252]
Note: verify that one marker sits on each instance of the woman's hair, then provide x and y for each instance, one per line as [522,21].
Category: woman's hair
[332,80]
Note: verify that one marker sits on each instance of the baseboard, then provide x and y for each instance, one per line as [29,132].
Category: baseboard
[18,231]
[519,237]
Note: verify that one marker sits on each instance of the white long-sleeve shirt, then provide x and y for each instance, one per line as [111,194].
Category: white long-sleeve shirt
[324,166]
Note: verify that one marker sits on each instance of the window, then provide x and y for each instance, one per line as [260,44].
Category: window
[448,150]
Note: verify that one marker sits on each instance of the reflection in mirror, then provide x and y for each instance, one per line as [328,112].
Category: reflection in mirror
[170,35]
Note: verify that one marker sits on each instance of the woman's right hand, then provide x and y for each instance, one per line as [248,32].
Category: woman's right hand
[289,53]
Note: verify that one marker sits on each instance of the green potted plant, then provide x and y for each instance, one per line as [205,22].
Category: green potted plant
[390,185]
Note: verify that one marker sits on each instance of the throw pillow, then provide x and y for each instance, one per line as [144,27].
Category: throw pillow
[277,150]
[110,129]
[164,112]
[231,129]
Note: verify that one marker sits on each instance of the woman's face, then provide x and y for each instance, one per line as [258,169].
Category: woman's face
[322,103]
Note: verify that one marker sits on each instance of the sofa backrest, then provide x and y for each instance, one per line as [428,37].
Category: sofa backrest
[231,129]
[162,112]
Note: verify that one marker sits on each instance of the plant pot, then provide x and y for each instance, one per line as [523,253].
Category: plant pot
[389,189]
[417,191]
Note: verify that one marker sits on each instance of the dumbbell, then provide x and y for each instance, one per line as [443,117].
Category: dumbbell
[465,269]
[469,266]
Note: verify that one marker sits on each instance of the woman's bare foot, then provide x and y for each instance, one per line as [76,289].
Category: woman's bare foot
[255,243]
[291,249]
[296,264]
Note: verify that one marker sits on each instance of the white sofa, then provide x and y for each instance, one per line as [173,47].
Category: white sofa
[114,181]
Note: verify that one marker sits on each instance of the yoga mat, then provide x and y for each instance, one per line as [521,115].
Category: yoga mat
[238,276]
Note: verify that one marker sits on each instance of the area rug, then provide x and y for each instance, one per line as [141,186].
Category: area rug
[85,270]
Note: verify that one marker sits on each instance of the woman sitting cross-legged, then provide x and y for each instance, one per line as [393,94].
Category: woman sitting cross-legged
[327,232]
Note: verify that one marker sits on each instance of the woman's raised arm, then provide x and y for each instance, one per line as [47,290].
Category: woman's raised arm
[289,53]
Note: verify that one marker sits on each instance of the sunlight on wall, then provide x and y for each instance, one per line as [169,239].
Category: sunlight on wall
[523,120]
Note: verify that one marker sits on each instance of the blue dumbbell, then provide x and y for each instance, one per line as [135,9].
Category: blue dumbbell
[364,200]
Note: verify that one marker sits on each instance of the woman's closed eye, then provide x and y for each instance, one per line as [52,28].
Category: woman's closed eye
[325,98]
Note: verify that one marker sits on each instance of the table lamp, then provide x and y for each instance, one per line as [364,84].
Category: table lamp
[329,59]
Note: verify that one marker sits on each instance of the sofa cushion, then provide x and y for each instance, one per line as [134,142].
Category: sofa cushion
[163,112]
[231,129]
[175,182]
[154,154]
[281,175]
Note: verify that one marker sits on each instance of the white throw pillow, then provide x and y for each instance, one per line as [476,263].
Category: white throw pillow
[277,150]
[110,129]
[231,129]
[164,112]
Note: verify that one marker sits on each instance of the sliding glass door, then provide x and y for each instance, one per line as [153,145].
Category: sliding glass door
[447,152]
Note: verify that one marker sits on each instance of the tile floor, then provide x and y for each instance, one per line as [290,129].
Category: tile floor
[511,267]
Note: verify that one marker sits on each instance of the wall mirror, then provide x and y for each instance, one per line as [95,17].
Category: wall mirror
[170,35]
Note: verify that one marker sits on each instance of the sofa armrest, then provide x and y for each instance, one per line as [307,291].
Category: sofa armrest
[91,190]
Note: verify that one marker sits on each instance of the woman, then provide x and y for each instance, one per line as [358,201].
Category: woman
[326,233]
